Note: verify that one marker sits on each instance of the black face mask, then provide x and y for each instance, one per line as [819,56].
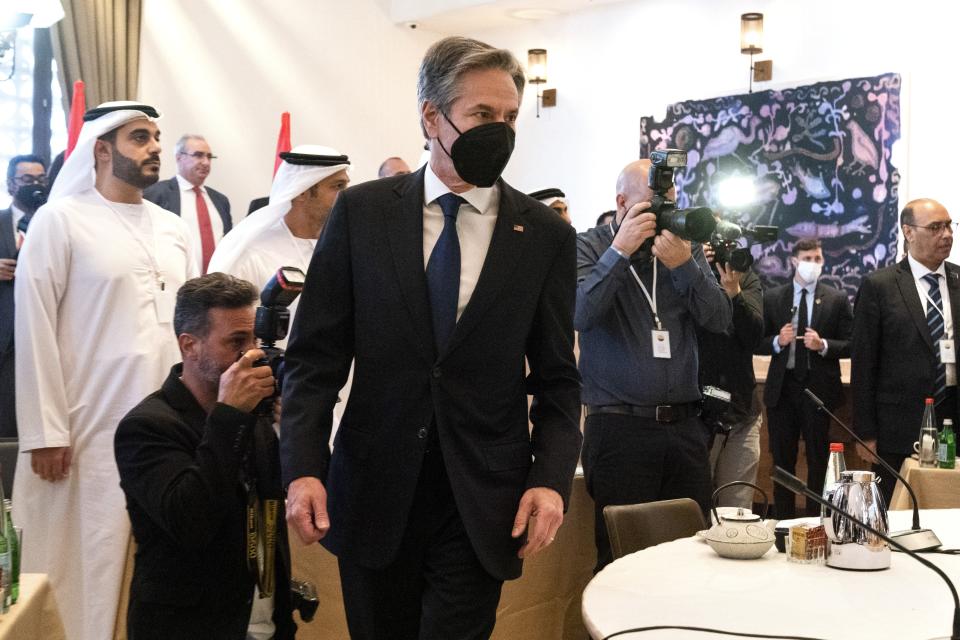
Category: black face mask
[480,154]
[32,196]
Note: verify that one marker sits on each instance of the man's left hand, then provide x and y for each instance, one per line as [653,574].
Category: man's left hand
[8,268]
[671,250]
[812,340]
[540,515]
[729,279]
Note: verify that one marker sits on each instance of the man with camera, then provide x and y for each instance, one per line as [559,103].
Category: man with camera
[27,183]
[200,471]
[638,311]
[807,328]
[726,364]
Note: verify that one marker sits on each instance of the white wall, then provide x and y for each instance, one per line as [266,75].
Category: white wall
[228,68]
[347,74]
[613,64]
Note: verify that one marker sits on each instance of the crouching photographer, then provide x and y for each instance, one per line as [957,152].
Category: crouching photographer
[726,375]
[200,471]
[637,313]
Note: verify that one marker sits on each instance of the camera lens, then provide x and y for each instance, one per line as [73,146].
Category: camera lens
[740,259]
[691,224]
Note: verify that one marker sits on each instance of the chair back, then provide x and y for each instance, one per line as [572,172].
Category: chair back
[633,527]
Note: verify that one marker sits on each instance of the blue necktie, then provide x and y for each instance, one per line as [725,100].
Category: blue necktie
[935,323]
[443,272]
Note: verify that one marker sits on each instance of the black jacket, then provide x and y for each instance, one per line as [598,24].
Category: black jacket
[166,194]
[181,473]
[831,318]
[366,298]
[894,359]
[726,359]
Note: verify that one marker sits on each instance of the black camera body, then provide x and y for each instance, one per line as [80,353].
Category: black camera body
[695,224]
[303,599]
[727,249]
[273,323]
[714,407]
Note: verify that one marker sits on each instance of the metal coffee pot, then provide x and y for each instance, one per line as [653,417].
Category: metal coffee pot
[852,546]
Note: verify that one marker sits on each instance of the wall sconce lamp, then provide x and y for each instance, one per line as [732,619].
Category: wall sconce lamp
[751,42]
[537,74]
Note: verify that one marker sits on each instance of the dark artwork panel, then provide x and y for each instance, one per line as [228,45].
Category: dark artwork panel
[818,158]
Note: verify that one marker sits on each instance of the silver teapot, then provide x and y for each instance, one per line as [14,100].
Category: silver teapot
[852,546]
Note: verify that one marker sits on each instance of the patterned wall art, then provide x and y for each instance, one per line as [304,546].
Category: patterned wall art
[817,159]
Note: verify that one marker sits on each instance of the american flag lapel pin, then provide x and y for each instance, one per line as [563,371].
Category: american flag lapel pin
[518,228]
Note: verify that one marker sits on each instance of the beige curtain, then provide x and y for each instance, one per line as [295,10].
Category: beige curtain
[98,41]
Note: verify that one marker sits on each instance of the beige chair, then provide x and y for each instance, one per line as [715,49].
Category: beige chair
[633,527]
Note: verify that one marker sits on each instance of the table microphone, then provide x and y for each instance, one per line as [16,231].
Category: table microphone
[915,538]
[797,486]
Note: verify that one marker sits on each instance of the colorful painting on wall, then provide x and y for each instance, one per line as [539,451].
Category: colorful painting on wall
[813,160]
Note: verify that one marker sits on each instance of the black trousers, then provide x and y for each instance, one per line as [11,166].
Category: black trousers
[436,588]
[629,460]
[795,417]
[8,396]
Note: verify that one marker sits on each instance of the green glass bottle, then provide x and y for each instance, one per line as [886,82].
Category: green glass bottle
[947,453]
[14,545]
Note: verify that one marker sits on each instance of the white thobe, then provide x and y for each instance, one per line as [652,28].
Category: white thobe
[276,247]
[90,346]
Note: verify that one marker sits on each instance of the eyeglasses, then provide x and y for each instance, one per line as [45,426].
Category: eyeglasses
[936,228]
[28,179]
[199,155]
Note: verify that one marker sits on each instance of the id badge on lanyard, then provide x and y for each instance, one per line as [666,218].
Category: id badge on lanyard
[659,337]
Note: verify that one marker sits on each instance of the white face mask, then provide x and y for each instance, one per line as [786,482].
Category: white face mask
[808,272]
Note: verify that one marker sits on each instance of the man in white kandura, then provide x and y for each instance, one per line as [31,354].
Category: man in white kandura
[285,232]
[96,283]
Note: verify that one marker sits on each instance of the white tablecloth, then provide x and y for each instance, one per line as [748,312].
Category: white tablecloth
[685,583]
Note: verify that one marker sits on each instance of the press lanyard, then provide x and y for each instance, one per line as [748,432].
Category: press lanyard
[652,300]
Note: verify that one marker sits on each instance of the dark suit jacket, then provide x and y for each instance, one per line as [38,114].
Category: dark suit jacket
[166,194]
[894,358]
[832,319]
[366,298]
[8,249]
[180,471]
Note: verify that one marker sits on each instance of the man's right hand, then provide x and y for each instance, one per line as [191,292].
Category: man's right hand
[8,267]
[51,463]
[787,335]
[636,226]
[243,386]
[307,509]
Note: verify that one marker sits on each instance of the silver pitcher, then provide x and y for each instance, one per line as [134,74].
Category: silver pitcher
[852,546]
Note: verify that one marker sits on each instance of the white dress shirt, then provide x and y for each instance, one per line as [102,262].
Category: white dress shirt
[475,223]
[923,290]
[17,216]
[811,292]
[188,211]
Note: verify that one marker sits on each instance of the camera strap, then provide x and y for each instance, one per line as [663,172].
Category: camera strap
[261,525]
[261,535]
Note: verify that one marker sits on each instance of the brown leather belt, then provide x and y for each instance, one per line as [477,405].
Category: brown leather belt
[665,413]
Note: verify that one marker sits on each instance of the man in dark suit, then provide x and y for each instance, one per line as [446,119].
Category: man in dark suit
[807,325]
[27,183]
[192,456]
[441,286]
[903,338]
[186,195]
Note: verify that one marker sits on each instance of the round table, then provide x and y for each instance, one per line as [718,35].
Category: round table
[685,583]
